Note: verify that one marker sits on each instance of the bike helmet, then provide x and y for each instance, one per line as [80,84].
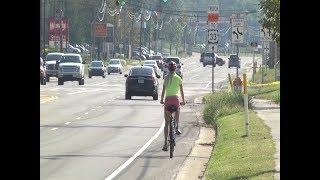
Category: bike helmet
[172,66]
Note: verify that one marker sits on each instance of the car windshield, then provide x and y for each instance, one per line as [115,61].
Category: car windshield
[176,60]
[149,62]
[141,72]
[156,57]
[53,57]
[114,62]
[209,55]
[71,59]
[233,57]
[96,64]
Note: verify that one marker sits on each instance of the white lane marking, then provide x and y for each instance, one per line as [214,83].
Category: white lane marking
[53,129]
[114,98]
[67,123]
[97,84]
[195,69]
[99,106]
[86,113]
[109,100]
[54,89]
[77,92]
[194,77]
[105,102]
[124,165]
[208,85]
[93,109]
[84,91]
[78,118]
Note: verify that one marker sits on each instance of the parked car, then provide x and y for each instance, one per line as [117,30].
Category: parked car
[234,61]
[72,49]
[97,68]
[177,61]
[141,81]
[43,74]
[52,64]
[208,59]
[165,55]
[115,66]
[153,64]
[71,68]
[159,60]
[136,55]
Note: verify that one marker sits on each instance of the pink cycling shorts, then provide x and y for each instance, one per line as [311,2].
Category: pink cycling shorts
[172,100]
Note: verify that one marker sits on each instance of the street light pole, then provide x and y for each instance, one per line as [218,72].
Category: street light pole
[44,30]
[61,50]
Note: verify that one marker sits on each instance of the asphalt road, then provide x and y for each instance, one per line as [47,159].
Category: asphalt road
[91,132]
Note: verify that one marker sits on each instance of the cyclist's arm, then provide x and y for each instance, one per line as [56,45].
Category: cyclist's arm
[162,94]
[182,93]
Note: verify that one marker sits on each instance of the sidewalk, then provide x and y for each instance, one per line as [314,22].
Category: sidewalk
[270,113]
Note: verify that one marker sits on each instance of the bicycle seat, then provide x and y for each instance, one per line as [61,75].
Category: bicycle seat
[172,108]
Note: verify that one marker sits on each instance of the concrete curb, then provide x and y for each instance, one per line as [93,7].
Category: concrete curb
[195,164]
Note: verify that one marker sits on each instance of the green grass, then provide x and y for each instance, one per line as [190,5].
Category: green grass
[237,157]
[222,103]
[269,76]
[273,96]
[253,91]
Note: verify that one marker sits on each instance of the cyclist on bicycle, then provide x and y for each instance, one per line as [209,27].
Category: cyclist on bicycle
[171,86]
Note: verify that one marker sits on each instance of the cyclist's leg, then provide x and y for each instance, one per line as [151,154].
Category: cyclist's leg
[176,103]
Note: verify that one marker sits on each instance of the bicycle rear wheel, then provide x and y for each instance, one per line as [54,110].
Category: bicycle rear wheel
[172,139]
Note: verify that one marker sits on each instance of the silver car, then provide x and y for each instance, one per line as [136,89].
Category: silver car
[115,66]
[153,64]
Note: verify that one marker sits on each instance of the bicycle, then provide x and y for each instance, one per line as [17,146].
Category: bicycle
[172,129]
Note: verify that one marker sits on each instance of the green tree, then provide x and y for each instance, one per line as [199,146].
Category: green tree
[271,17]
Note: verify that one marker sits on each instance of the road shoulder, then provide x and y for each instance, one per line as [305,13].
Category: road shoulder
[195,164]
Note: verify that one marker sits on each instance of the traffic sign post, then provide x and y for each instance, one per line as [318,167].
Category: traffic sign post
[213,18]
[237,33]
[266,37]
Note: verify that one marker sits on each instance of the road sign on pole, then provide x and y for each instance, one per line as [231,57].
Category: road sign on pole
[265,34]
[213,18]
[237,31]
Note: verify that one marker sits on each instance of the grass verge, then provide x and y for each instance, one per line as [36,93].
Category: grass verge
[269,92]
[237,157]
[221,104]
[273,96]
[269,76]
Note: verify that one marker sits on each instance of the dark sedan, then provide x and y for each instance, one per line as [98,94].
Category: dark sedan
[97,68]
[142,81]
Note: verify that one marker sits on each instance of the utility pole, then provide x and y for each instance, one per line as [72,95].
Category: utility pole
[141,17]
[44,27]
[60,15]
[238,57]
